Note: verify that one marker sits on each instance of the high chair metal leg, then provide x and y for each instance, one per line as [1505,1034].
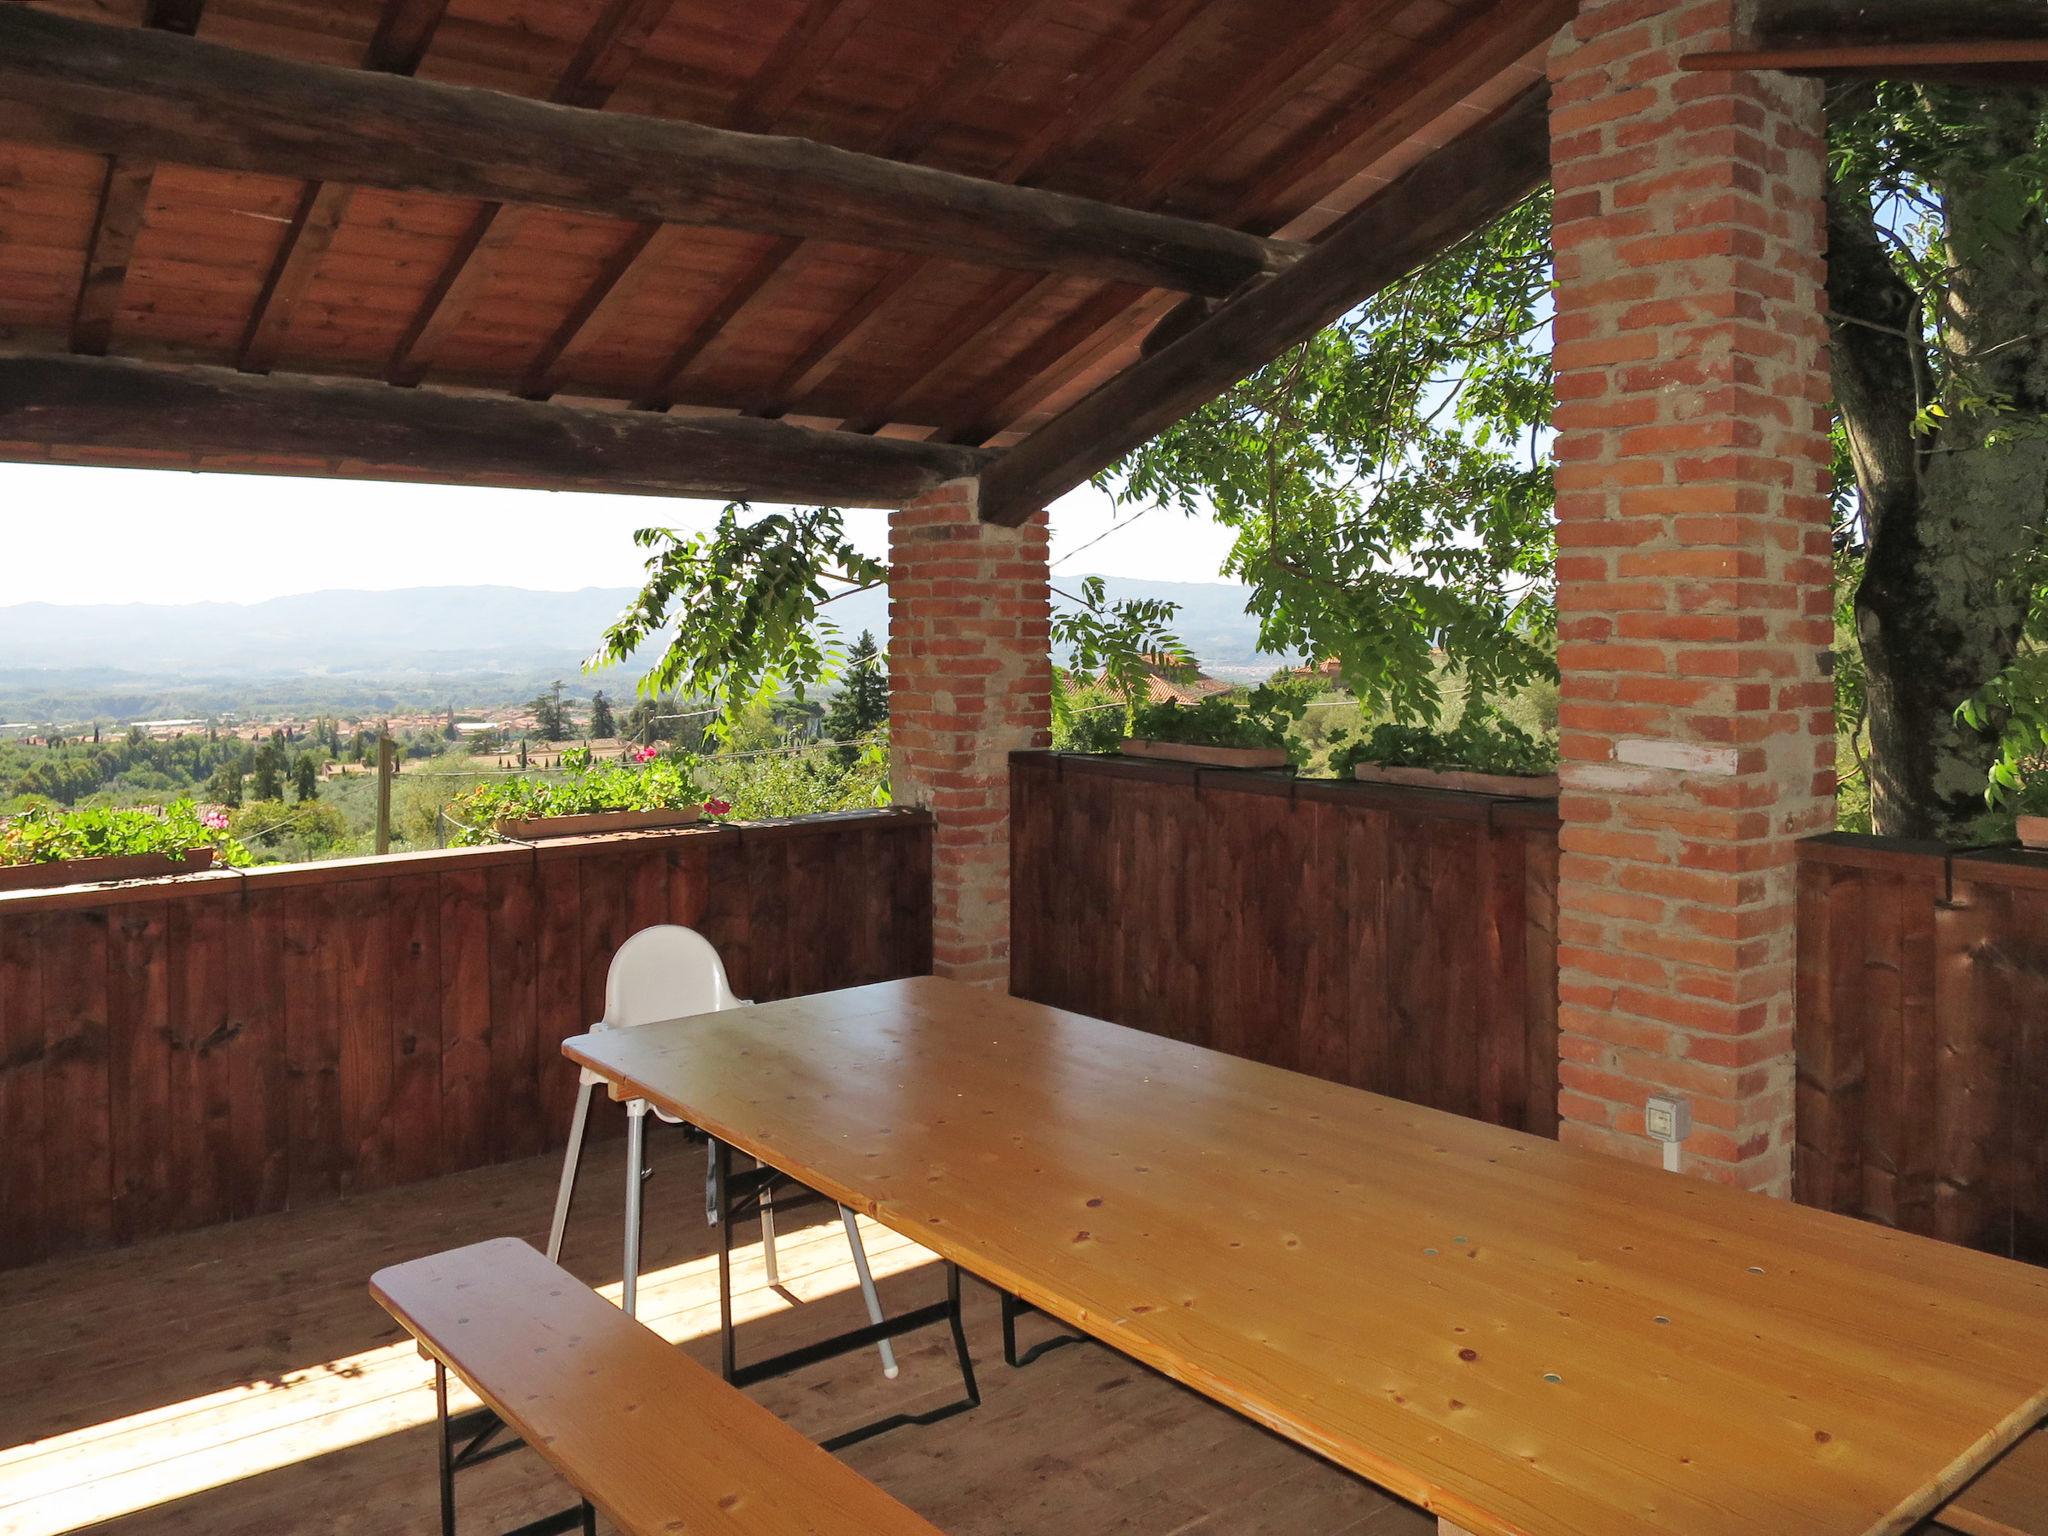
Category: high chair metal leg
[572,1155]
[867,1287]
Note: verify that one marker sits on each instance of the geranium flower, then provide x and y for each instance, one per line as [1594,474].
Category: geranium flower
[214,821]
[646,754]
[717,807]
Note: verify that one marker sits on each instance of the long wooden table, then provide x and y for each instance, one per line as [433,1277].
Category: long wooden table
[1525,1339]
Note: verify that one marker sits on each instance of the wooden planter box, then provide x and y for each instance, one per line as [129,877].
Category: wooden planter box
[1513,785]
[120,866]
[539,828]
[1206,757]
[2033,832]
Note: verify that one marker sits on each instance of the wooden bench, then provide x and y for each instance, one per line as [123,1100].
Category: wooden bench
[2010,1497]
[650,1438]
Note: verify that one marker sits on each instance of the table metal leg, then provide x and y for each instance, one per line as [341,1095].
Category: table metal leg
[1012,1309]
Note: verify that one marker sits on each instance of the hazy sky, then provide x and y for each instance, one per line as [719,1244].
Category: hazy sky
[129,536]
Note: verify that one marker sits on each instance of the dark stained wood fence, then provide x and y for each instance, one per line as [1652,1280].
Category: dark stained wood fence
[178,1053]
[1400,940]
[1923,1040]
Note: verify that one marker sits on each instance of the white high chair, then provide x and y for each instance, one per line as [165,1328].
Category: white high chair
[672,972]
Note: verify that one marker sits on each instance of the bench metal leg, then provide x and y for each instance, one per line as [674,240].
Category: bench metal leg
[482,1427]
[1014,1308]
[876,1333]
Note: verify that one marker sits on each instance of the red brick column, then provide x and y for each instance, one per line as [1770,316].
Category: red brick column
[1694,579]
[969,683]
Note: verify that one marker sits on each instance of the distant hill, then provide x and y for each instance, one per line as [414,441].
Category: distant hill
[421,646]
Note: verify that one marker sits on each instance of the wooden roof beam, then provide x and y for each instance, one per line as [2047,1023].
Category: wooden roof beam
[1972,42]
[229,420]
[1455,191]
[116,90]
[1999,61]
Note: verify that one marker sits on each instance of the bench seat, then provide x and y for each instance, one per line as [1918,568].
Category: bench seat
[657,1443]
[2010,1498]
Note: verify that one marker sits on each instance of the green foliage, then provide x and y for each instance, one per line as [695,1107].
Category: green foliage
[551,720]
[1261,718]
[269,779]
[602,726]
[1121,642]
[745,601]
[660,783]
[1481,742]
[801,783]
[306,777]
[862,703]
[276,833]
[1387,480]
[43,834]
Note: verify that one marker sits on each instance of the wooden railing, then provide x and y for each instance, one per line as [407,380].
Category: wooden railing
[1923,1040]
[1401,940]
[181,1052]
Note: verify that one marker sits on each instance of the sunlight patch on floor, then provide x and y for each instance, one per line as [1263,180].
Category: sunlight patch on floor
[116,1468]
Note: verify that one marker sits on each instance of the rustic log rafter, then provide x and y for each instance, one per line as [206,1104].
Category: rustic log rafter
[1451,193]
[397,47]
[123,203]
[124,91]
[600,64]
[1292,67]
[1321,157]
[232,420]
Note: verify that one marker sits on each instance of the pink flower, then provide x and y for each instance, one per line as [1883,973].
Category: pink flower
[646,754]
[214,821]
[717,807]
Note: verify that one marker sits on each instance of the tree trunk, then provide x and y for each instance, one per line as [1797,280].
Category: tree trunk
[1956,516]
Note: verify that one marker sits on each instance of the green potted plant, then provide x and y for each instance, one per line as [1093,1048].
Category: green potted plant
[46,845]
[1220,731]
[1482,754]
[643,791]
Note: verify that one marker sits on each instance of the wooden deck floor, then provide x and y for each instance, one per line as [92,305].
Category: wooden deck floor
[240,1380]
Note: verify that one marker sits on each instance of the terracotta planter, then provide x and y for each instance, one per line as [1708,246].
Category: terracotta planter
[1206,757]
[2033,832]
[1511,785]
[538,828]
[120,866]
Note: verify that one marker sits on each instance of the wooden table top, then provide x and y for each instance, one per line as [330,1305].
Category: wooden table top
[1526,1339]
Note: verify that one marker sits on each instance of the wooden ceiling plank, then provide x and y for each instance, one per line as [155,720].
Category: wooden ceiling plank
[123,204]
[543,377]
[403,33]
[229,420]
[1301,60]
[1459,60]
[127,91]
[322,206]
[1449,195]
[124,200]
[1090,106]
[592,75]
[399,43]
[799,57]
[967,67]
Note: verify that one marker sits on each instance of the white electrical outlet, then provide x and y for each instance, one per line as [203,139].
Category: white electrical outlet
[1667,1119]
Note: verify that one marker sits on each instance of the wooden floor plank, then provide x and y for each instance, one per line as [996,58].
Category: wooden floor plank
[239,1378]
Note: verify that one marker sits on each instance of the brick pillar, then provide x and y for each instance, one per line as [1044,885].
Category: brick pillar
[1694,579]
[969,683]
